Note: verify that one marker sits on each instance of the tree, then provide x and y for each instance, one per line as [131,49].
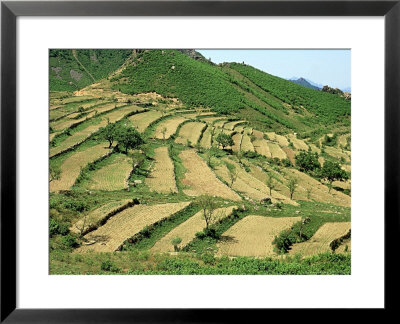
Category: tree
[110,133]
[84,223]
[332,171]
[163,131]
[307,161]
[233,173]
[309,190]
[210,154]
[129,138]
[292,186]
[175,242]
[208,206]
[270,183]
[224,140]
[55,173]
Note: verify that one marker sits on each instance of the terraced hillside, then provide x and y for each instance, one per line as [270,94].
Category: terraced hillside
[163,162]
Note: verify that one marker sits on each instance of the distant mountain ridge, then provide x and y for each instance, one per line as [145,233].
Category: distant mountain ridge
[305,83]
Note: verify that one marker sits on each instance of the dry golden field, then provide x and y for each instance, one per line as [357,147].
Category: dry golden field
[319,191]
[281,140]
[187,230]
[231,125]
[124,225]
[143,120]
[190,132]
[113,176]
[320,241]
[205,141]
[170,126]
[201,180]
[86,132]
[298,143]
[276,151]
[246,144]
[71,167]
[237,139]
[252,236]
[162,176]
[94,218]
[261,146]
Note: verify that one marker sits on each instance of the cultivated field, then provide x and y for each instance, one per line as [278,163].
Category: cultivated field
[122,226]
[143,120]
[162,176]
[190,132]
[281,140]
[113,176]
[320,241]
[71,167]
[261,146]
[276,151]
[248,185]
[246,144]
[187,230]
[231,125]
[205,141]
[94,218]
[170,126]
[201,180]
[298,143]
[237,139]
[253,235]
[83,134]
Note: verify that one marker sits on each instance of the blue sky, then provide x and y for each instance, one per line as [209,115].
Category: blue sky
[326,67]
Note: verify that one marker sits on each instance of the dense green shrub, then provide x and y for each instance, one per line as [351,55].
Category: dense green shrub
[57,227]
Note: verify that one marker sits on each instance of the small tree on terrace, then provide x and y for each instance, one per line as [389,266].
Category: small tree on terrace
[292,186]
[208,206]
[224,140]
[270,183]
[110,133]
[233,173]
[129,138]
[331,171]
[163,131]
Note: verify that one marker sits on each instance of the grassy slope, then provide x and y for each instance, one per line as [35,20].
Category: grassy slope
[326,107]
[99,63]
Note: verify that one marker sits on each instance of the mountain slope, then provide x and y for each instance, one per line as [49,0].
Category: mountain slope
[72,70]
[174,74]
[327,108]
[303,82]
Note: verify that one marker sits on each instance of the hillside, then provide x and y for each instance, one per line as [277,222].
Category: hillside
[150,137]
[305,83]
[71,70]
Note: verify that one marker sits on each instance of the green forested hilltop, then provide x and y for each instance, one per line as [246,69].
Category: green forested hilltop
[326,107]
[69,72]
[174,74]
[264,100]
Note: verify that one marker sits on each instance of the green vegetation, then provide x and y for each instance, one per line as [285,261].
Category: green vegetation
[327,108]
[142,263]
[66,74]
[267,105]
[307,161]
[174,74]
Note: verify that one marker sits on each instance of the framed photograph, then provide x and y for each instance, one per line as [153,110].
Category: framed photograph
[197,160]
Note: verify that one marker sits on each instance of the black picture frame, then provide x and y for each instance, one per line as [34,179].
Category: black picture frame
[10,10]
